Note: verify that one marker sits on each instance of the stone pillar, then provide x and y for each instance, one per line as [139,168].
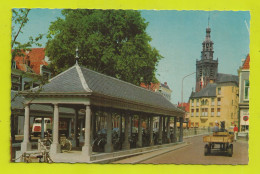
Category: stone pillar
[160,130]
[139,142]
[151,131]
[26,145]
[164,129]
[86,149]
[55,146]
[109,145]
[181,130]
[168,129]
[175,130]
[42,128]
[126,144]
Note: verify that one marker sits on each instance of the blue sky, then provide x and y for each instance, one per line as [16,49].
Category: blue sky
[178,35]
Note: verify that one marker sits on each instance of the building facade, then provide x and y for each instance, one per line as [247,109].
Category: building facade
[162,88]
[216,94]
[244,88]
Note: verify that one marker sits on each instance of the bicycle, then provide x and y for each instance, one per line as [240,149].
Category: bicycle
[66,144]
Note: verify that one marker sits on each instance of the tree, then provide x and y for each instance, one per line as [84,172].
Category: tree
[112,42]
[19,19]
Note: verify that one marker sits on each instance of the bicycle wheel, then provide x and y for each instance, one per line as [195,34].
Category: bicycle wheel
[67,145]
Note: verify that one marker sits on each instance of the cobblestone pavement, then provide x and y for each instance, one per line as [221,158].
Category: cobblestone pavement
[194,154]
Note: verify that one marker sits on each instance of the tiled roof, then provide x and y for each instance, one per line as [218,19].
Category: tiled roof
[208,91]
[185,105]
[82,80]
[18,103]
[35,56]
[246,64]
[223,78]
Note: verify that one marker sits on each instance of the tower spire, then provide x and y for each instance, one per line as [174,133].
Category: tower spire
[208,21]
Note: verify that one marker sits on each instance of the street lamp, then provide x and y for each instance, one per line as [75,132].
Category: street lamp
[182,87]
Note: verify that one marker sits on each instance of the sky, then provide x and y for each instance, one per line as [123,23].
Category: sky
[178,36]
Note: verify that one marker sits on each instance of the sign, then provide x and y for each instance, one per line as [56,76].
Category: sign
[245,118]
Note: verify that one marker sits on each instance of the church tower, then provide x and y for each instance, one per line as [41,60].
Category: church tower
[206,68]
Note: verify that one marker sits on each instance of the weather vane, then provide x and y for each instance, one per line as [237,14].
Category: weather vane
[77,55]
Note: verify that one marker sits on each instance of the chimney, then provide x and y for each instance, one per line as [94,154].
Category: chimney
[242,61]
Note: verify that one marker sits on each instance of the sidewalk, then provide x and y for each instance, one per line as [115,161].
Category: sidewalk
[143,157]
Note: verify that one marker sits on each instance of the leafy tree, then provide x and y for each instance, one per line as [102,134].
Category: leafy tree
[19,19]
[113,42]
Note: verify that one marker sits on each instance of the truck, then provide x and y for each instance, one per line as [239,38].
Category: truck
[37,124]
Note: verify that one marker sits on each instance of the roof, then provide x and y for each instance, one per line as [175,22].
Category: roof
[246,64]
[165,85]
[18,103]
[36,57]
[208,91]
[153,86]
[81,80]
[185,105]
[223,78]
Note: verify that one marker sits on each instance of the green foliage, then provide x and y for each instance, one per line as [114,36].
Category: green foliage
[19,19]
[112,42]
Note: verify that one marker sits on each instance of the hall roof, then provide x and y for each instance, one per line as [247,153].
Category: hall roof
[80,80]
[17,103]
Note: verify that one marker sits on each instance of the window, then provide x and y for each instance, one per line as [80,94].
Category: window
[247,88]
[206,112]
[212,102]
[206,102]
[218,112]
[202,102]
[192,102]
[198,102]
[219,101]
[212,112]
[192,112]
[202,112]
[197,112]
[219,91]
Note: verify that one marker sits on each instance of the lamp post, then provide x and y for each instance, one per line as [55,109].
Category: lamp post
[182,87]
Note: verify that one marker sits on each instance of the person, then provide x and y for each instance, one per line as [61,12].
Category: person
[216,127]
[235,132]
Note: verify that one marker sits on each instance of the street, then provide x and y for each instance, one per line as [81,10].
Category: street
[194,154]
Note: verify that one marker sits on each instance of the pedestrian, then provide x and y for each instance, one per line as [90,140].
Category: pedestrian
[216,127]
[235,132]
